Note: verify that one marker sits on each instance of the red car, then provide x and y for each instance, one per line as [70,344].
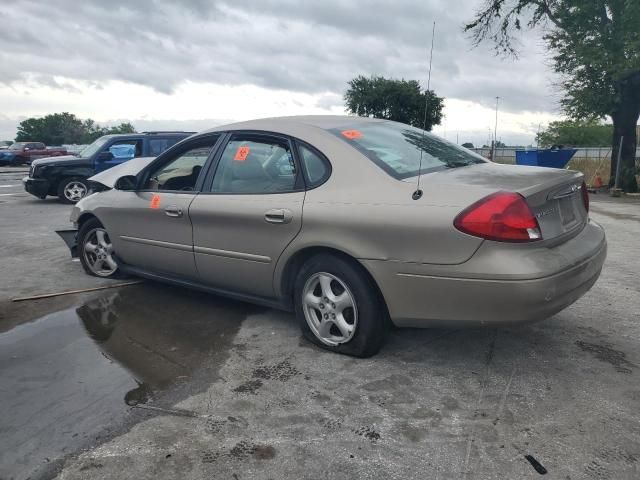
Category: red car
[26,152]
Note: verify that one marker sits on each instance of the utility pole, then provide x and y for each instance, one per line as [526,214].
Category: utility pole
[495,133]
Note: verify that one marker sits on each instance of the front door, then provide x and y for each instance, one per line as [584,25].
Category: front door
[150,227]
[251,212]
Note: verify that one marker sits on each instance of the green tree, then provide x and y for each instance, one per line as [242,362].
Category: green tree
[399,100]
[575,133]
[52,129]
[595,46]
[468,145]
[65,128]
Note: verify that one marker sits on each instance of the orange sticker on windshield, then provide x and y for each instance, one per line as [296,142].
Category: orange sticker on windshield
[241,154]
[352,134]
[155,201]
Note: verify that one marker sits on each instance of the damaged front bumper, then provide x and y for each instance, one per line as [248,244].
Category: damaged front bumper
[70,237]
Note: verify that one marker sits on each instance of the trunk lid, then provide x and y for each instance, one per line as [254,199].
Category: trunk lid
[554,195]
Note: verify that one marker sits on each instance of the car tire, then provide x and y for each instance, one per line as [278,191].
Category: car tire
[72,189]
[96,251]
[329,288]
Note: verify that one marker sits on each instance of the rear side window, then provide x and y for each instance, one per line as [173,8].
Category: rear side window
[397,148]
[316,168]
[159,145]
[252,165]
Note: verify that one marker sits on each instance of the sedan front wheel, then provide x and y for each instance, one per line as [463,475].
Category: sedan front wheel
[96,250]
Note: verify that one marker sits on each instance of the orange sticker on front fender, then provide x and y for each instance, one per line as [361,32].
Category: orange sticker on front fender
[155,201]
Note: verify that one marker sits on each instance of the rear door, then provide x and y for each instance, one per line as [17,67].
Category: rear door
[150,227]
[250,212]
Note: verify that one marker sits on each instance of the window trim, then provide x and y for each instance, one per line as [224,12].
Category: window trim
[171,154]
[308,183]
[299,185]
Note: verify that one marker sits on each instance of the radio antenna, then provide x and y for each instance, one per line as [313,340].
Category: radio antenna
[418,193]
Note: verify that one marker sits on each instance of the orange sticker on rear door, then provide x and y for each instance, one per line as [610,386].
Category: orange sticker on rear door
[241,154]
[155,201]
[352,134]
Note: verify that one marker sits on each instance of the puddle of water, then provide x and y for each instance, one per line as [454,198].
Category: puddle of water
[68,377]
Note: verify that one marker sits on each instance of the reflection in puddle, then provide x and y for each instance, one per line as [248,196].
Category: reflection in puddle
[68,375]
[159,339]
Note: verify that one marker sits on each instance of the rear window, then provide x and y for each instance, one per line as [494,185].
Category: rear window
[396,148]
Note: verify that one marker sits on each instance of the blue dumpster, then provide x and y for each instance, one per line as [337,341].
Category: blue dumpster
[552,158]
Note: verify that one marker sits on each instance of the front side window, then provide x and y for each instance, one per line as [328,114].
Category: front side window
[397,148]
[181,171]
[255,165]
[126,149]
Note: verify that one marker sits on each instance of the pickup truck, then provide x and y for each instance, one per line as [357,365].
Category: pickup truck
[26,152]
[66,176]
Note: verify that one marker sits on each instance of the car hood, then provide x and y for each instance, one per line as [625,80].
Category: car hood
[132,167]
[67,160]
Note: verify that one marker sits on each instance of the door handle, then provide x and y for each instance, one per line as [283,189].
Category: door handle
[278,215]
[173,211]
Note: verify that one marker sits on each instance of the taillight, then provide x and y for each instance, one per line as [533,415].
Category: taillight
[585,196]
[502,216]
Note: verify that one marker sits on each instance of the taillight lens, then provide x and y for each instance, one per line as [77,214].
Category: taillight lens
[502,216]
[585,197]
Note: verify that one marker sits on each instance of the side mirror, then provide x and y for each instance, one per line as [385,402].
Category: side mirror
[105,156]
[26,149]
[127,183]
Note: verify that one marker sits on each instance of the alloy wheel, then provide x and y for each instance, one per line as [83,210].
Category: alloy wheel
[329,309]
[98,253]
[74,191]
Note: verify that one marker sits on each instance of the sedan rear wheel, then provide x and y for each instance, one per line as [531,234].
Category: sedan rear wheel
[329,309]
[338,306]
[96,250]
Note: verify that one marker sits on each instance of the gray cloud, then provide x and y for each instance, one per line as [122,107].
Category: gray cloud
[313,47]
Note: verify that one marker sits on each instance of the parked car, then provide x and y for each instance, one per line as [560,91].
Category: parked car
[20,153]
[322,215]
[67,176]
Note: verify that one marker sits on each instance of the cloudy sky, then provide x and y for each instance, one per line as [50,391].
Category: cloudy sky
[193,64]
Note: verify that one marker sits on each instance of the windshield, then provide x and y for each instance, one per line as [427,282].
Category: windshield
[17,146]
[89,150]
[396,148]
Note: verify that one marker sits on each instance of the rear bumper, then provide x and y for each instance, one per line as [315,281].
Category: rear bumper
[420,295]
[36,186]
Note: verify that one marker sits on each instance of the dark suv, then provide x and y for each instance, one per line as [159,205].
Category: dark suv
[67,176]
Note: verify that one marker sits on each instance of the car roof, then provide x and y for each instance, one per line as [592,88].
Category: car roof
[149,134]
[285,124]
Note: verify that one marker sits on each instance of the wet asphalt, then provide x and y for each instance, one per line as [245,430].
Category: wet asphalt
[159,382]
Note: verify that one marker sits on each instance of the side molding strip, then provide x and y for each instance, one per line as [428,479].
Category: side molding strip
[229,254]
[158,243]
